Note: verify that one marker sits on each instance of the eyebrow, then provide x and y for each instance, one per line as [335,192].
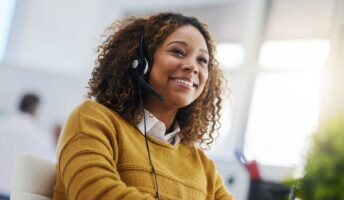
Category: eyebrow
[186,44]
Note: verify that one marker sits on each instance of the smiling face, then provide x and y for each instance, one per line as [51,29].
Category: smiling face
[180,68]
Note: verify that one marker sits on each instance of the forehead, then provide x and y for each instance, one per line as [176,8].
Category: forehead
[188,34]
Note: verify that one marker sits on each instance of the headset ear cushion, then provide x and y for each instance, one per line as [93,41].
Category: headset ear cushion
[146,67]
[134,64]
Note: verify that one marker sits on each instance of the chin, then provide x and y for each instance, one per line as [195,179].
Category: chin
[180,102]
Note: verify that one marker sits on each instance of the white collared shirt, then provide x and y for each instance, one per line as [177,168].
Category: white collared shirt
[157,129]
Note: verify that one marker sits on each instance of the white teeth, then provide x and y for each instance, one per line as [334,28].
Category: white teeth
[188,83]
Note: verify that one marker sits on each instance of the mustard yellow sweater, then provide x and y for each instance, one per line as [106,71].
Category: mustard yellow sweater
[102,156]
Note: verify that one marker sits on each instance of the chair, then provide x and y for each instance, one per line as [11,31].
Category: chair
[260,189]
[34,179]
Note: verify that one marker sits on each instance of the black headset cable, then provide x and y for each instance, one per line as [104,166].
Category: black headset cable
[147,146]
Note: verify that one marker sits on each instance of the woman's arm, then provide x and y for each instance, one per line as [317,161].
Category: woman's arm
[221,192]
[217,189]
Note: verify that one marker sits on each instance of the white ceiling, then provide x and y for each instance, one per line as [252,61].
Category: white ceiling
[300,19]
[60,36]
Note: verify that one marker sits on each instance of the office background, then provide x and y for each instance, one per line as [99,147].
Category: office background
[283,60]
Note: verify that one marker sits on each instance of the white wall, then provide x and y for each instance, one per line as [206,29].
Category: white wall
[58,36]
[59,94]
[51,51]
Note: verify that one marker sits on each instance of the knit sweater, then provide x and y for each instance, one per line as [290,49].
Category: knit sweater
[102,156]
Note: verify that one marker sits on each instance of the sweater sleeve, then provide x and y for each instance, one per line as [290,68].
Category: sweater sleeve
[221,193]
[217,189]
[88,155]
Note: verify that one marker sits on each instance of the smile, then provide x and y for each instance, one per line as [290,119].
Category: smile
[187,83]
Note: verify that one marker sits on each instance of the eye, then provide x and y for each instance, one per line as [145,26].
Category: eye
[203,60]
[177,51]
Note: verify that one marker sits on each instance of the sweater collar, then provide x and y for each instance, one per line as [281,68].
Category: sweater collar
[157,129]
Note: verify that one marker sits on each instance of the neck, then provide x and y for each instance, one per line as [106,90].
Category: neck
[162,112]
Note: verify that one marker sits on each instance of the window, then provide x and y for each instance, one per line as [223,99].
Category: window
[286,100]
[296,54]
[230,55]
[6,13]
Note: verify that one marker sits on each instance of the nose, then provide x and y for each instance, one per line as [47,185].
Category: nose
[190,67]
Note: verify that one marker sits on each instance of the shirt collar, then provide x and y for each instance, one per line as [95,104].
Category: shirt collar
[157,129]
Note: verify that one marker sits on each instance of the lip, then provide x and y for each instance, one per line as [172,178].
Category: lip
[185,81]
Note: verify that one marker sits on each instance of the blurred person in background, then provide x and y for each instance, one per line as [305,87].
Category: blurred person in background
[21,133]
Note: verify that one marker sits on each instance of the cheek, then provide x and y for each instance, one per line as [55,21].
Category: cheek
[153,78]
[162,66]
[204,77]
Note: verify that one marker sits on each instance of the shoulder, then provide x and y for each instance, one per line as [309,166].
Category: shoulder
[94,108]
[92,119]
[91,110]
[206,161]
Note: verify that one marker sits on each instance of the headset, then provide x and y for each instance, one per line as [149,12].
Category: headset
[140,67]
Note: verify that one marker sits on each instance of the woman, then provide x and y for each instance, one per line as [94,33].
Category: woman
[156,91]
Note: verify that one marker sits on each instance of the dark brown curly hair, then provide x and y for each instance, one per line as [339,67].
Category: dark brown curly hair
[113,85]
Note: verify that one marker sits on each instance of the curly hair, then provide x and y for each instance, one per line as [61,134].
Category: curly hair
[112,84]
